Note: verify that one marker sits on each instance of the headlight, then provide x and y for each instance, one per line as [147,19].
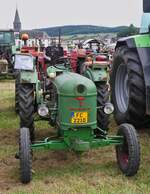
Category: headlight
[52,75]
[43,110]
[51,71]
[108,108]
[24,62]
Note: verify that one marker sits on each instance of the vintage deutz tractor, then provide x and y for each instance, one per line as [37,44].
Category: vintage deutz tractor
[69,102]
[130,79]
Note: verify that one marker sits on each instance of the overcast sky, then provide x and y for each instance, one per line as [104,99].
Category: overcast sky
[47,13]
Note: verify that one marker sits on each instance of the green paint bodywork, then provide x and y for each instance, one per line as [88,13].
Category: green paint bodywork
[142,41]
[97,73]
[66,85]
[76,137]
[78,145]
[7,44]
[14,48]
[38,92]
[27,76]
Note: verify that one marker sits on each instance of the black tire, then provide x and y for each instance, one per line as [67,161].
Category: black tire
[17,83]
[26,107]
[102,99]
[83,69]
[128,88]
[80,65]
[25,156]
[128,154]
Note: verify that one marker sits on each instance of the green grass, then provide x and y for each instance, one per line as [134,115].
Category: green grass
[95,172]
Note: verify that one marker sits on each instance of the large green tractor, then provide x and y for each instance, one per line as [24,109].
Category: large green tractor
[68,101]
[7,49]
[130,79]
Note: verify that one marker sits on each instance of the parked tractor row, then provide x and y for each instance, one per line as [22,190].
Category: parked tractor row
[72,93]
[75,101]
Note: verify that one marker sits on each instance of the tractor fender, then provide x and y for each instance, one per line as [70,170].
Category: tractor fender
[96,75]
[88,73]
[28,76]
[128,41]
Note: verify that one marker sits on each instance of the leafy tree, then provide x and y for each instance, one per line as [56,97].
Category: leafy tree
[131,30]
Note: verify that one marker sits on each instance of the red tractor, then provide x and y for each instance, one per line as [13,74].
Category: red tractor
[43,57]
[35,52]
[90,48]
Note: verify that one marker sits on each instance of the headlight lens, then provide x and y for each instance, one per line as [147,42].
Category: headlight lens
[108,108]
[43,110]
[52,75]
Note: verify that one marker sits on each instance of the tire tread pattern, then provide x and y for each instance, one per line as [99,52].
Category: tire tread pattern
[129,133]
[25,155]
[26,107]
[137,91]
[102,99]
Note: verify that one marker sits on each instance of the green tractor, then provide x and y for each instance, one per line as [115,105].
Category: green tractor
[130,80]
[7,49]
[68,101]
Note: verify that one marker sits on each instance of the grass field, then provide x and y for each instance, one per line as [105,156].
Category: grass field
[95,172]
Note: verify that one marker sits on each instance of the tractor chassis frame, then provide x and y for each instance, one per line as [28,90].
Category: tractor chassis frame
[77,144]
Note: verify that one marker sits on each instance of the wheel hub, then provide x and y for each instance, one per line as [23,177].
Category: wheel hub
[122,88]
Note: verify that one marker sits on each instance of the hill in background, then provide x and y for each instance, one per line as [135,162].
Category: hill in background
[81,29]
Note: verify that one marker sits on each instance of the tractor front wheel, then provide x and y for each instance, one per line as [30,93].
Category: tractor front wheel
[26,107]
[25,155]
[128,154]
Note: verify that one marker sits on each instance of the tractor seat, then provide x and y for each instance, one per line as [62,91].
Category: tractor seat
[101,58]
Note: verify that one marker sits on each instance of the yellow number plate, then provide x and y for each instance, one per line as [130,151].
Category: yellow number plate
[79,117]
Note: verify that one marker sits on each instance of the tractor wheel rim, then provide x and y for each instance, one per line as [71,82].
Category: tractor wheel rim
[123,154]
[122,88]
[124,158]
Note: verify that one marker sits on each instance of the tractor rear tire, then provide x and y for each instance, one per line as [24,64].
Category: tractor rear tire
[26,107]
[25,155]
[128,154]
[102,99]
[17,83]
[128,88]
